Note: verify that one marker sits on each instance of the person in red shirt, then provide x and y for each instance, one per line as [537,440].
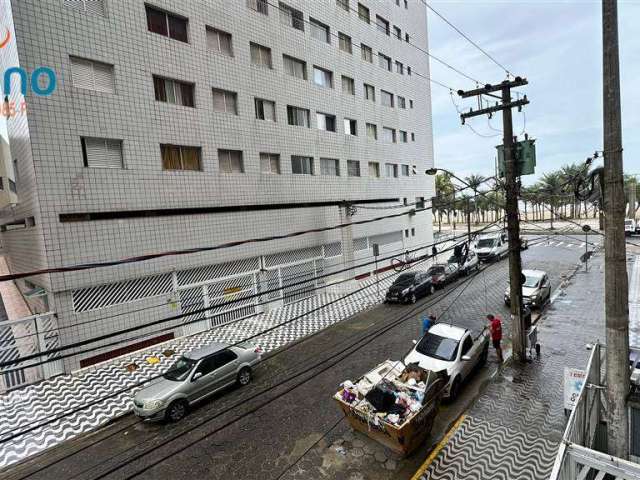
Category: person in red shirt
[495,327]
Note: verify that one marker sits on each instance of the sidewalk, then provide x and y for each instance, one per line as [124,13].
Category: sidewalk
[514,428]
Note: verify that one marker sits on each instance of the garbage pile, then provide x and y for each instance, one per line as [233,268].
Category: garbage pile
[392,392]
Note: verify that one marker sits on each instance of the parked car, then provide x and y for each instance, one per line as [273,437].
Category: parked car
[195,376]
[630,226]
[410,286]
[471,263]
[634,365]
[524,243]
[451,348]
[492,246]
[441,274]
[536,290]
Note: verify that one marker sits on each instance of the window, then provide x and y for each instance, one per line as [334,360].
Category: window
[382,24]
[408,70]
[402,103]
[406,3]
[265,109]
[176,157]
[348,85]
[391,170]
[101,152]
[225,101]
[403,136]
[291,17]
[466,345]
[350,127]
[374,169]
[173,91]
[363,13]
[326,122]
[397,32]
[330,167]
[294,67]
[399,68]
[319,31]
[298,116]
[386,98]
[260,6]
[219,41]
[230,161]
[406,233]
[384,61]
[353,168]
[167,24]
[388,135]
[92,75]
[344,42]
[322,77]
[344,4]
[369,92]
[413,137]
[405,170]
[270,163]
[372,131]
[260,55]
[301,165]
[367,53]
[410,103]
[406,37]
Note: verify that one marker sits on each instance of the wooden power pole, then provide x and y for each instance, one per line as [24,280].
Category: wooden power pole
[616,284]
[513,219]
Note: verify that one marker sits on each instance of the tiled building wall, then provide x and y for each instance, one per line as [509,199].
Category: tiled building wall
[49,32]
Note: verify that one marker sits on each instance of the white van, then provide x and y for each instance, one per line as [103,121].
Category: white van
[492,246]
[629,226]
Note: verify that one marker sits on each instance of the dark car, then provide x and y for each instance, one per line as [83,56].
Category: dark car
[408,287]
[442,274]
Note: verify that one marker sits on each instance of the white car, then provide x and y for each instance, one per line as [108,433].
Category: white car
[536,289]
[471,263]
[492,246]
[630,226]
[450,348]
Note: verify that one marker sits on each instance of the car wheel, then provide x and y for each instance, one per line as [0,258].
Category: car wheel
[412,298]
[455,389]
[176,411]
[244,376]
[432,289]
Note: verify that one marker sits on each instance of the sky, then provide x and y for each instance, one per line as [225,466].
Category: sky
[557,46]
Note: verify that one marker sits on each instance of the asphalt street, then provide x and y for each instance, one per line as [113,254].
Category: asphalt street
[284,424]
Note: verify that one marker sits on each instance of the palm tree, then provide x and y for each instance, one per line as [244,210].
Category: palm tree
[551,187]
[444,196]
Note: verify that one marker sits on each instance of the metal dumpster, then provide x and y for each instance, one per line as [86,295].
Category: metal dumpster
[404,436]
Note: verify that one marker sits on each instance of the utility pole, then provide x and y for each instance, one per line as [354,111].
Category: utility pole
[616,284]
[511,208]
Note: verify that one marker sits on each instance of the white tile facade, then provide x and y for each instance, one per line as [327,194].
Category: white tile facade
[53,180]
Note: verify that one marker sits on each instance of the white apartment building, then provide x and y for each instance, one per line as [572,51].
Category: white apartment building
[186,124]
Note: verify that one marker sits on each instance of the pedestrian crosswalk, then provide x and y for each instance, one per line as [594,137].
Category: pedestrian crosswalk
[556,243]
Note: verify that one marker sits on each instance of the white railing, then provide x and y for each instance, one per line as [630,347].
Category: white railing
[579,455]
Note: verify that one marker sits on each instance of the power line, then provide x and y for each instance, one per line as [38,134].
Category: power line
[330,362]
[176,317]
[466,37]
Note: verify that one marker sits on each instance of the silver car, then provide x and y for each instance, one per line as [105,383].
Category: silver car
[195,376]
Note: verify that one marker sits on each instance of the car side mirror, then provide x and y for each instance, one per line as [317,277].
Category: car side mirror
[466,358]
[415,342]
[196,376]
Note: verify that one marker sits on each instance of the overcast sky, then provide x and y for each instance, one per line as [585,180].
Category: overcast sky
[557,46]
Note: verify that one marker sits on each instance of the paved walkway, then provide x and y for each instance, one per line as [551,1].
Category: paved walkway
[514,429]
[40,416]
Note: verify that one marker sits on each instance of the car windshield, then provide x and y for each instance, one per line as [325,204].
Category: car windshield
[438,347]
[531,282]
[436,270]
[486,242]
[627,222]
[405,278]
[180,370]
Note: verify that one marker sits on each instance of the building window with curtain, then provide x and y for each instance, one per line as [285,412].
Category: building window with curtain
[178,157]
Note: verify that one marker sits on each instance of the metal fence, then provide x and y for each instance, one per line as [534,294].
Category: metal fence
[28,336]
[579,455]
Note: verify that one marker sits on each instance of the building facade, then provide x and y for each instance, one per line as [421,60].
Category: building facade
[177,125]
